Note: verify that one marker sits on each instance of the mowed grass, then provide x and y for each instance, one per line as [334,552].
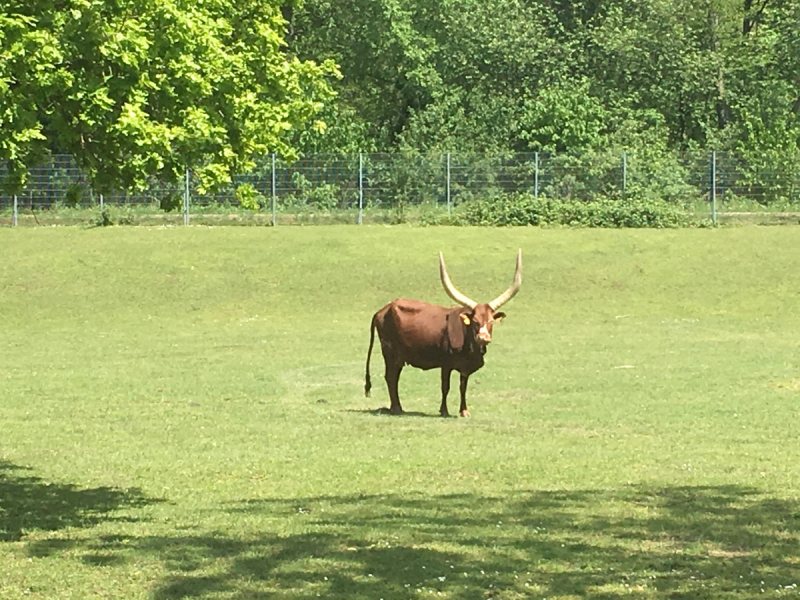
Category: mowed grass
[182,416]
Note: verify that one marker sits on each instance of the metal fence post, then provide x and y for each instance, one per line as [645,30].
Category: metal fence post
[360,188]
[624,171]
[14,215]
[448,183]
[273,190]
[714,186]
[535,174]
[186,200]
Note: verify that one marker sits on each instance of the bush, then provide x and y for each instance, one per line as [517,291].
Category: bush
[109,215]
[515,209]
[103,218]
[127,218]
[525,209]
[323,196]
[170,202]
[248,197]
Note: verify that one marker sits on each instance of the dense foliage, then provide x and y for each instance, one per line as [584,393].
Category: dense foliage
[134,88]
[139,87]
[551,75]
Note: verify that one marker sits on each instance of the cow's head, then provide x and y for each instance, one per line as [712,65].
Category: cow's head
[481,317]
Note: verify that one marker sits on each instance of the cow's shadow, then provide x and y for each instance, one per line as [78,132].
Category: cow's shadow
[385,412]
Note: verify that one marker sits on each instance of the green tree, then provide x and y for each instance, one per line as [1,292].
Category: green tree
[27,59]
[133,88]
[430,74]
[512,75]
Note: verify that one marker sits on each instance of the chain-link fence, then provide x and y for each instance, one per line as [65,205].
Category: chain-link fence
[361,188]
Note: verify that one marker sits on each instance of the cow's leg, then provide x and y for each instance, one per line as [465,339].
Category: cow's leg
[463,409]
[393,370]
[445,389]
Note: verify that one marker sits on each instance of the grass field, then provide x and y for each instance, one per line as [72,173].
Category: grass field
[182,416]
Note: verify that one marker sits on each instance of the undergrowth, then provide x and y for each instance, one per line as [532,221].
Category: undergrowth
[526,209]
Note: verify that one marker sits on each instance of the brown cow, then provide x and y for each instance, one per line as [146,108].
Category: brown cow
[427,336]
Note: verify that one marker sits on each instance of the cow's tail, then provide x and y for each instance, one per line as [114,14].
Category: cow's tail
[368,381]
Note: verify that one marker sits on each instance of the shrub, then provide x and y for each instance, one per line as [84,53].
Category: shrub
[111,215]
[324,196]
[126,218]
[248,197]
[170,202]
[103,218]
[525,209]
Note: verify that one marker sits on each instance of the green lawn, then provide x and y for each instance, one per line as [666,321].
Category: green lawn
[182,416]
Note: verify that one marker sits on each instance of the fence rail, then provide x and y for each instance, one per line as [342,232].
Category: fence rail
[356,185]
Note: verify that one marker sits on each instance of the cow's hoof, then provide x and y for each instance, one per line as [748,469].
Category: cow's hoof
[396,410]
[465,413]
[444,413]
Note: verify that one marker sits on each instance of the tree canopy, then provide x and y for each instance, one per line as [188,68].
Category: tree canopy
[139,87]
[518,75]
[133,88]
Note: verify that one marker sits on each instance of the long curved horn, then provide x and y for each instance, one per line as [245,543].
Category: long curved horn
[450,289]
[511,291]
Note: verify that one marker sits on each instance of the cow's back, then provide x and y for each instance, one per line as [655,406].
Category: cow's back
[414,331]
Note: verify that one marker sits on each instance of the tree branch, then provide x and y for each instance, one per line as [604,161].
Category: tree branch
[751,19]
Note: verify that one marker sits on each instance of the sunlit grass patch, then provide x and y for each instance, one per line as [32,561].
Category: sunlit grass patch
[792,385]
[183,416]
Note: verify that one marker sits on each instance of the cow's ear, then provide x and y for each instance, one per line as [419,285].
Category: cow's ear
[455,330]
[498,317]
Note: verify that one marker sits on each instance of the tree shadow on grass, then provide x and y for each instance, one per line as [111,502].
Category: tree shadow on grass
[29,503]
[676,542]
